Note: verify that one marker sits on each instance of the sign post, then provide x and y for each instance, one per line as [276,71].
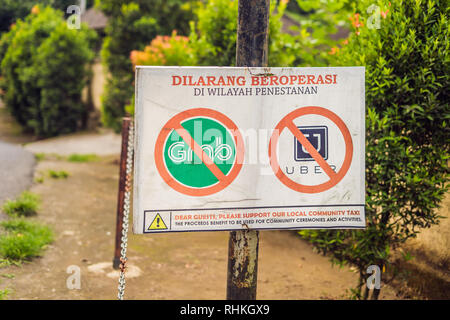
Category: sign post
[251,51]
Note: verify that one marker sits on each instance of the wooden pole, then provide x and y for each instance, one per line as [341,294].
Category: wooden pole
[121,193]
[251,51]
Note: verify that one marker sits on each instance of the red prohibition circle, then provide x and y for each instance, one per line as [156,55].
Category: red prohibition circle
[175,124]
[287,122]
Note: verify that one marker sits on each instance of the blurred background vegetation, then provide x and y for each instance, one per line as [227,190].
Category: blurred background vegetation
[403,44]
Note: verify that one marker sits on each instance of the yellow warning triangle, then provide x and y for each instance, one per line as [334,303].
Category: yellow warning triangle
[157,224]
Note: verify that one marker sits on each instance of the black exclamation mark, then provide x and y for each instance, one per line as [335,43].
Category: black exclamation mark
[157,222]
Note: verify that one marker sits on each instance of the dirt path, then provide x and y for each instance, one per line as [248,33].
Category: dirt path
[81,210]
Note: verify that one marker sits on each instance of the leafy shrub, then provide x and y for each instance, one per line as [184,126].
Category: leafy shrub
[165,51]
[132,25]
[44,71]
[212,41]
[322,24]
[213,37]
[4,294]
[407,146]
[129,29]
[27,204]
[170,15]
[11,10]
[64,4]
[21,239]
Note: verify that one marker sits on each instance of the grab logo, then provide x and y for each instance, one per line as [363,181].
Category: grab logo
[199,152]
[179,152]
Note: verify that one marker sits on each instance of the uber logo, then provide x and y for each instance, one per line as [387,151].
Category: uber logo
[318,137]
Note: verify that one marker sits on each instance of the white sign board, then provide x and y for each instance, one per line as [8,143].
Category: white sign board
[223,148]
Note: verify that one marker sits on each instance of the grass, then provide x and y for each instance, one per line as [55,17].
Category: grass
[74,157]
[39,180]
[83,157]
[39,156]
[8,262]
[21,239]
[4,294]
[27,204]
[58,174]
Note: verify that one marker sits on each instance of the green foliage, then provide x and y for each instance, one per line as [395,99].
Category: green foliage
[128,30]
[407,139]
[8,262]
[45,70]
[4,294]
[213,37]
[75,157]
[27,204]
[58,174]
[320,26]
[39,156]
[283,47]
[133,24]
[212,41]
[165,51]
[39,180]
[21,239]
[64,4]
[11,10]
[170,14]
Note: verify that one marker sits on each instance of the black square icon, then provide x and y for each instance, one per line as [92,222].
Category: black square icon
[318,137]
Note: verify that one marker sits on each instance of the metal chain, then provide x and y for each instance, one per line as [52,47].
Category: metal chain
[126,212]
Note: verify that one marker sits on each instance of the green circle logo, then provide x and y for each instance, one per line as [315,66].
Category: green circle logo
[214,143]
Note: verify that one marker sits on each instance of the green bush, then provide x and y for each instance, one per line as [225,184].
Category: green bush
[171,50]
[213,37]
[11,10]
[127,30]
[407,140]
[21,239]
[132,25]
[44,70]
[212,41]
[320,23]
[170,15]
[27,204]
